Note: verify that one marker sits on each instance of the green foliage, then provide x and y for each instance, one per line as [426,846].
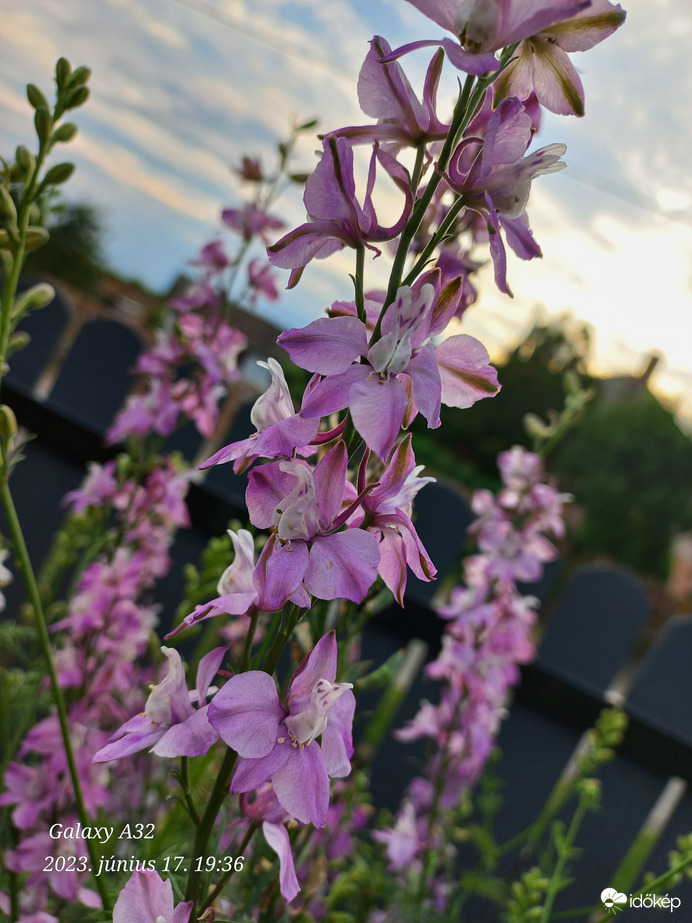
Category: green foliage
[630,467]
[76,251]
[532,382]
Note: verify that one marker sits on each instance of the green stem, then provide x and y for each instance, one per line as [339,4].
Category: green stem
[22,555]
[10,286]
[565,851]
[187,791]
[436,239]
[461,117]
[206,825]
[359,282]
[252,627]
[418,167]
[223,881]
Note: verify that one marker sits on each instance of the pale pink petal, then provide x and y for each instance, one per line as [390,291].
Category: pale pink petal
[246,713]
[276,836]
[465,371]
[193,737]
[342,565]
[330,480]
[144,898]
[328,345]
[302,784]
[251,773]
[377,407]
[337,737]
[320,663]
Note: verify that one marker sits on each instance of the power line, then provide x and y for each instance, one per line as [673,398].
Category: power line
[625,194]
[270,39]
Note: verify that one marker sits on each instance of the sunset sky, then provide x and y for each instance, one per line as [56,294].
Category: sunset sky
[181,89]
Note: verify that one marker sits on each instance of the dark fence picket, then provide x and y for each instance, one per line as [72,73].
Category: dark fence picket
[590,636]
[95,377]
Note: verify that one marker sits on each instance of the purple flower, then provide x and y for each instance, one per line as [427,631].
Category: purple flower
[402,362]
[495,179]
[485,26]
[304,508]
[385,94]
[541,65]
[279,429]
[169,724]
[250,221]
[280,743]
[336,218]
[388,509]
[148,899]
[243,585]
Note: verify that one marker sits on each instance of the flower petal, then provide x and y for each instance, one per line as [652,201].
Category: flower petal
[276,836]
[302,785]
[328,345]
[246,713]
[342,565]
[193,737]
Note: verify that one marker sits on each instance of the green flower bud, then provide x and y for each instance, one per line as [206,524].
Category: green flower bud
[38,296]
[25,160]
[65,133]
[80,75]
[19,340]
[36,98]
[63,69]
[8,210]
[44,124]
[76,97]
[8,422]
[60,173]
[35,237]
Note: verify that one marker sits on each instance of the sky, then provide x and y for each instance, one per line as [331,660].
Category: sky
[182,89]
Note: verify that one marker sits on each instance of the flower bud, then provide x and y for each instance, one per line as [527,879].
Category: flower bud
[8,210]
[63,69]
[80,76]
[76,97]
[25,160]
[65,133]
[35,237]
[19,340]
[44,124]
[36,98]
[60,173]
[38,296]
[8,422]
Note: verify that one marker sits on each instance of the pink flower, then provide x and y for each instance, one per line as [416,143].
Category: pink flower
[336,219]
[495,179]
[304,509]
[279,429]
[402,361]
[148,899]
[169,724]
[388,509]
[251,221]
[243,585]
[485,26]
[385,94]
[280,743]
[541,64]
